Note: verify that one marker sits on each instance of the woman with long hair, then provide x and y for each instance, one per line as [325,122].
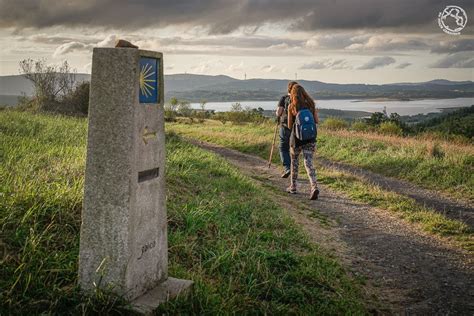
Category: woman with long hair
[300,100]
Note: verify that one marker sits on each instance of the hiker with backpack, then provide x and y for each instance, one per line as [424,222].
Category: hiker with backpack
[302,120]
[285,132]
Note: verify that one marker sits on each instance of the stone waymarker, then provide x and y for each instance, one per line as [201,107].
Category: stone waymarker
[124,243]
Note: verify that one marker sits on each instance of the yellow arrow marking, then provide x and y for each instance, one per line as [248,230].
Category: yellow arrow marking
[147,135]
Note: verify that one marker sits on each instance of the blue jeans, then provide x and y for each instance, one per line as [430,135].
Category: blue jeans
[285,147]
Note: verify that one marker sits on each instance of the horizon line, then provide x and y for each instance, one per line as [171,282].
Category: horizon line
[195,74]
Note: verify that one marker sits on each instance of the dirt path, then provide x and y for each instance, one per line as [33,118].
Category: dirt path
[409,272]
[453,209]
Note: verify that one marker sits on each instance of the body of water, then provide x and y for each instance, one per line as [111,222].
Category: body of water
[412,107]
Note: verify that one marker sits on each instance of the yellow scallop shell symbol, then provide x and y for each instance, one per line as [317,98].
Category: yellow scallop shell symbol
[146,83]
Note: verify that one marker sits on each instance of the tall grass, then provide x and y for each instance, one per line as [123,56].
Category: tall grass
[448,168]
[244,254]
[381,151]
[42,179]
[405,158]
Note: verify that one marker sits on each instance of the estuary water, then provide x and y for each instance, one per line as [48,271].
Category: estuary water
[412,107]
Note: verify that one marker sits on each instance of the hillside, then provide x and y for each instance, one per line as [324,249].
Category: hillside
[194,88]
[459,122]
[18,84]
[269,89]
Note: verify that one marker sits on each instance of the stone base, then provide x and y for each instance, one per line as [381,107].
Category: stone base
[169,289]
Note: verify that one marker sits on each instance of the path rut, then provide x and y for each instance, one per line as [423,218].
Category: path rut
[450,208]
[409,272]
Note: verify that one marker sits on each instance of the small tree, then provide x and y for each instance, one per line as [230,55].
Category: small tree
[173,104]
[184,108]
[170,109]
[236,107]
[377,118]
[202,104]
[395,117]
[50,82]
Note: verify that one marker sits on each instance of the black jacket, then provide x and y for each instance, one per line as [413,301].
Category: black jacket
[284,103]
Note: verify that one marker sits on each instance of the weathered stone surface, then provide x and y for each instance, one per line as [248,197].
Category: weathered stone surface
[167,290]
[124,242]
[108,191]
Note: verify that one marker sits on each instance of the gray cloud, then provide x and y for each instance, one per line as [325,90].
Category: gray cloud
[453,46]
[71,47]
[336,40]
[457,60]
[327,64]
[269,68]
[314,65]
[389,43]
[403,65]
[234,41]
[417,15]
[354,41]
[52,39]
[224,16]
[377,62]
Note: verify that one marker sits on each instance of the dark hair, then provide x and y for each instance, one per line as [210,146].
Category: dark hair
[290,85]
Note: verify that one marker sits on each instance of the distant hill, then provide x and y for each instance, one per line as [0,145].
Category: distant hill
[459,122]
[18,84]
[15,85]
[434,82]
[224,88]
[189,82]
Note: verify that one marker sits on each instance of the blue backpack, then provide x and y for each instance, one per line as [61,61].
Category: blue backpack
[305,126]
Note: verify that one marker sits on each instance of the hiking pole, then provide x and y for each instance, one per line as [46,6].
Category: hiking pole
[273,145]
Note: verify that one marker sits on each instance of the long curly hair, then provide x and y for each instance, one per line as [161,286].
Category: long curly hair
[290,85]
[299,96]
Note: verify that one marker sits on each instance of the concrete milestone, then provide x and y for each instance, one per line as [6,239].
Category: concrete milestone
[124,245]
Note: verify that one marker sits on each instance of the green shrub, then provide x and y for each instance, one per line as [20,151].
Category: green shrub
[360,126]
[241,116]
[436,151]
[390,128]
[377,118]
[333,123]
[77,101]
[184,108]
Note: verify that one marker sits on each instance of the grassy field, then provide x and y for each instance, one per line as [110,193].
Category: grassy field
[434,164]
[244,254]
[254,139]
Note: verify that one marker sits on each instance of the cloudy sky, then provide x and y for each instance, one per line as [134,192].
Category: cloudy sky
[342,41]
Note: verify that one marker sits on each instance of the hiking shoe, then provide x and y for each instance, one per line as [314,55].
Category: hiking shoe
[291,190]
[286,174]
[314,194]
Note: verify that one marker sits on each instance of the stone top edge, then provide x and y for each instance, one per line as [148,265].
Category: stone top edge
[150,53]
[141,52]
